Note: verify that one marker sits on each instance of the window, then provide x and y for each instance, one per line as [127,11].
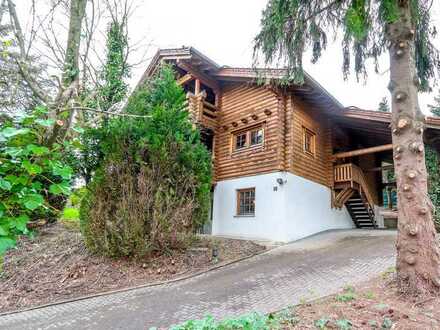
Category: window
[309,141]
[240,141]
[246,202]
[252,137]
[256,136]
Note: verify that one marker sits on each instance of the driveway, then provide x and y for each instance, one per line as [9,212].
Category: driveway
[307,269]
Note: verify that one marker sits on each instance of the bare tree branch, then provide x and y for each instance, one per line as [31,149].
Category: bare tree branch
[110,113]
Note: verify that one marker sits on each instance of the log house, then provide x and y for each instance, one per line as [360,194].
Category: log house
[288,161]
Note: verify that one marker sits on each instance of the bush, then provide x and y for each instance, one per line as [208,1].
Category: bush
[34,180]
[152,188]
[432,166]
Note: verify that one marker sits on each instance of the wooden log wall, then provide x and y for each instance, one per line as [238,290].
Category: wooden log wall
[316,168]
[283,146]
[244,106]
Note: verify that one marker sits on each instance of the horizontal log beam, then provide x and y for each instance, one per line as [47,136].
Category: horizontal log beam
[186,78]
[199,75]
[364,151]
[380,168]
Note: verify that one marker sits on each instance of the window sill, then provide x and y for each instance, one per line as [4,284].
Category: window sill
[244,216]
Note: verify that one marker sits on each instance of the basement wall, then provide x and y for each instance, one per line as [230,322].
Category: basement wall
[283,212]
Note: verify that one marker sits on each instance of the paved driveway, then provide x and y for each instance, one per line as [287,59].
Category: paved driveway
[307,269]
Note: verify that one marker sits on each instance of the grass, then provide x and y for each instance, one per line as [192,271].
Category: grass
[347,295]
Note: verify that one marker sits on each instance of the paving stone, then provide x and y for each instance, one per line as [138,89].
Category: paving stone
[308,269]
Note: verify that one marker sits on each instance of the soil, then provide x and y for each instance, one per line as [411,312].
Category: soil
[372,305]
[55,265]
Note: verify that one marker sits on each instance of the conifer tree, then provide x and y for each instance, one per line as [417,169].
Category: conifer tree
[383,105]
[370,28]
[435,108]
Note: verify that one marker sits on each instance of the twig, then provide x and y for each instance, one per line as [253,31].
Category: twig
[111,113]
[423,301]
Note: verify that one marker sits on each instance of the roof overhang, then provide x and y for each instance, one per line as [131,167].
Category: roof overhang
[373,123]
[311,91]
[184,54]
[378,125]
[384,117]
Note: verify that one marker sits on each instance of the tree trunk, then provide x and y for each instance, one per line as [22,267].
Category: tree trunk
[70,79]
[418,254]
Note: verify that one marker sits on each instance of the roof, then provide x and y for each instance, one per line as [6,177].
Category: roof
[375,126]
[385,117]
[368,122]
[311,91]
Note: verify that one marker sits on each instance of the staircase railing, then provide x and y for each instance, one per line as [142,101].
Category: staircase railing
[343,173]
[353,174]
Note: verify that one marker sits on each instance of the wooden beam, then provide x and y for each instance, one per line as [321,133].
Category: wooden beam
[205,79]
[197,87]
[364,151]
[184,79]
[380,169]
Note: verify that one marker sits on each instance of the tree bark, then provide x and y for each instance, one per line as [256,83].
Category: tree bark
[70,79]
[418,254]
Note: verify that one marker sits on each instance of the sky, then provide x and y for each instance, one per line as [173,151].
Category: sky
[224,31]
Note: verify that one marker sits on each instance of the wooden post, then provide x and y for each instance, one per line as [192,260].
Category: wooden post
[197,87]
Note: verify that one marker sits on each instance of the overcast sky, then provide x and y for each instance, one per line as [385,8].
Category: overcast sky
[224,30]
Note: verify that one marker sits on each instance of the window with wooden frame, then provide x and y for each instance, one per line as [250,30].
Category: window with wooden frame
[246,202]
[309,141]
[248,138]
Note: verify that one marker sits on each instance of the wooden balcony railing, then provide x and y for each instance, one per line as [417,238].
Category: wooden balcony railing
[343,173]
[202,112]
[350,173]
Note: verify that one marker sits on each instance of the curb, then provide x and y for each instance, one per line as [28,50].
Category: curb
[141,286]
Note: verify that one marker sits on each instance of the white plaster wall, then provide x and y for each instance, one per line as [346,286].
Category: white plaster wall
[309,211]
[268,222]
[297,209]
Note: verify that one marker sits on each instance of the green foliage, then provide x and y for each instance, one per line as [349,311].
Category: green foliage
[33,178]
[290,27]
[388,11]
[369,295]
[356,20]
[344,324]
[387,323]
[321,323]
[435,108]
[70,213]
[252,321]
[113,89]
[116,69]
[89,154]
[384,106]
[76,196]
[432,167]
[347,295]
[153,185]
